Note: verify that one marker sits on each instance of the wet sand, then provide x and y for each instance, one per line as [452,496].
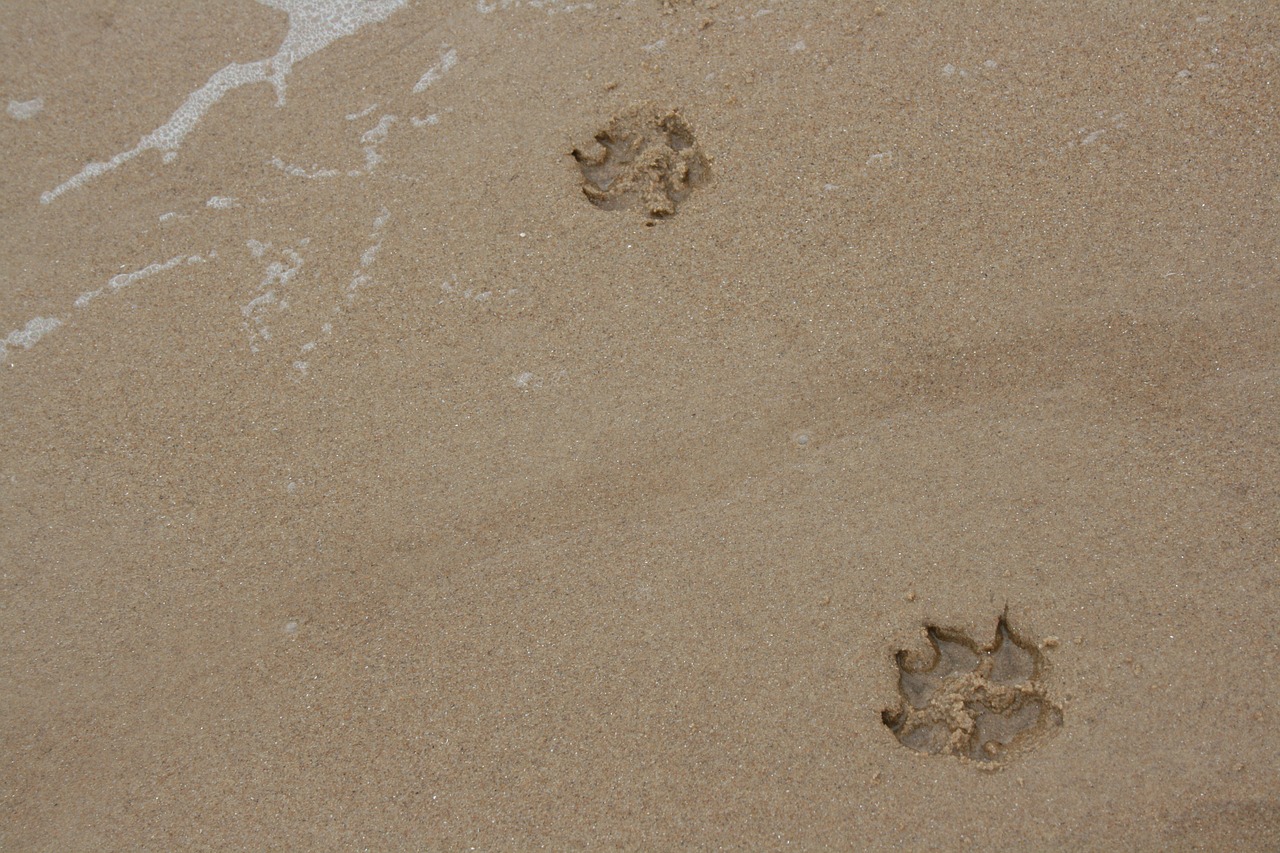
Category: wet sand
[365,485]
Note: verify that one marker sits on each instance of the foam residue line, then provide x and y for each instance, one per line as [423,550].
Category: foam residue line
[447,61]
[374,137]
[364,112]
[484,7]
[378,134]
[271,291]
[359,278]
[38,327]
[313,25]
[27,336]
[299,172]
[371,139]
[116,282]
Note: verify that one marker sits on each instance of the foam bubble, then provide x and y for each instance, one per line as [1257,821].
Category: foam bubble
[23,110]
[26,337]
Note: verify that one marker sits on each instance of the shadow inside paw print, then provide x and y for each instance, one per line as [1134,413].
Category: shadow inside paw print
[645,157]
[981,703]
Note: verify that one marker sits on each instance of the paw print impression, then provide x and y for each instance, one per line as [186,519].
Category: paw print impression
[980,703]
[645,157]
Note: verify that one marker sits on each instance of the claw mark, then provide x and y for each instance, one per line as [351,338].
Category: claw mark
[646,156]
[981,703]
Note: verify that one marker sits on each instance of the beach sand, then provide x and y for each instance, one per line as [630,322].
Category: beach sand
[365,484]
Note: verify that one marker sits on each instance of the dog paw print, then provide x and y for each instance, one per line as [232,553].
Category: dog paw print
[646,157]
[980,703]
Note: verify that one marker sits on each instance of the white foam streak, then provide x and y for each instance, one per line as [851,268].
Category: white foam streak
[313,25]
[27,336]
[435,72]
[123,280]
[23,110]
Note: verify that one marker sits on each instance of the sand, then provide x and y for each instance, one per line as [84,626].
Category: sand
[367,484]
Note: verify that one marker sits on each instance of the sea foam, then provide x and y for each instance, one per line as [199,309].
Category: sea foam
[313,26]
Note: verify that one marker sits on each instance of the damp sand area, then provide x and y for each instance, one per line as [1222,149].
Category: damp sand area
[630,424]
